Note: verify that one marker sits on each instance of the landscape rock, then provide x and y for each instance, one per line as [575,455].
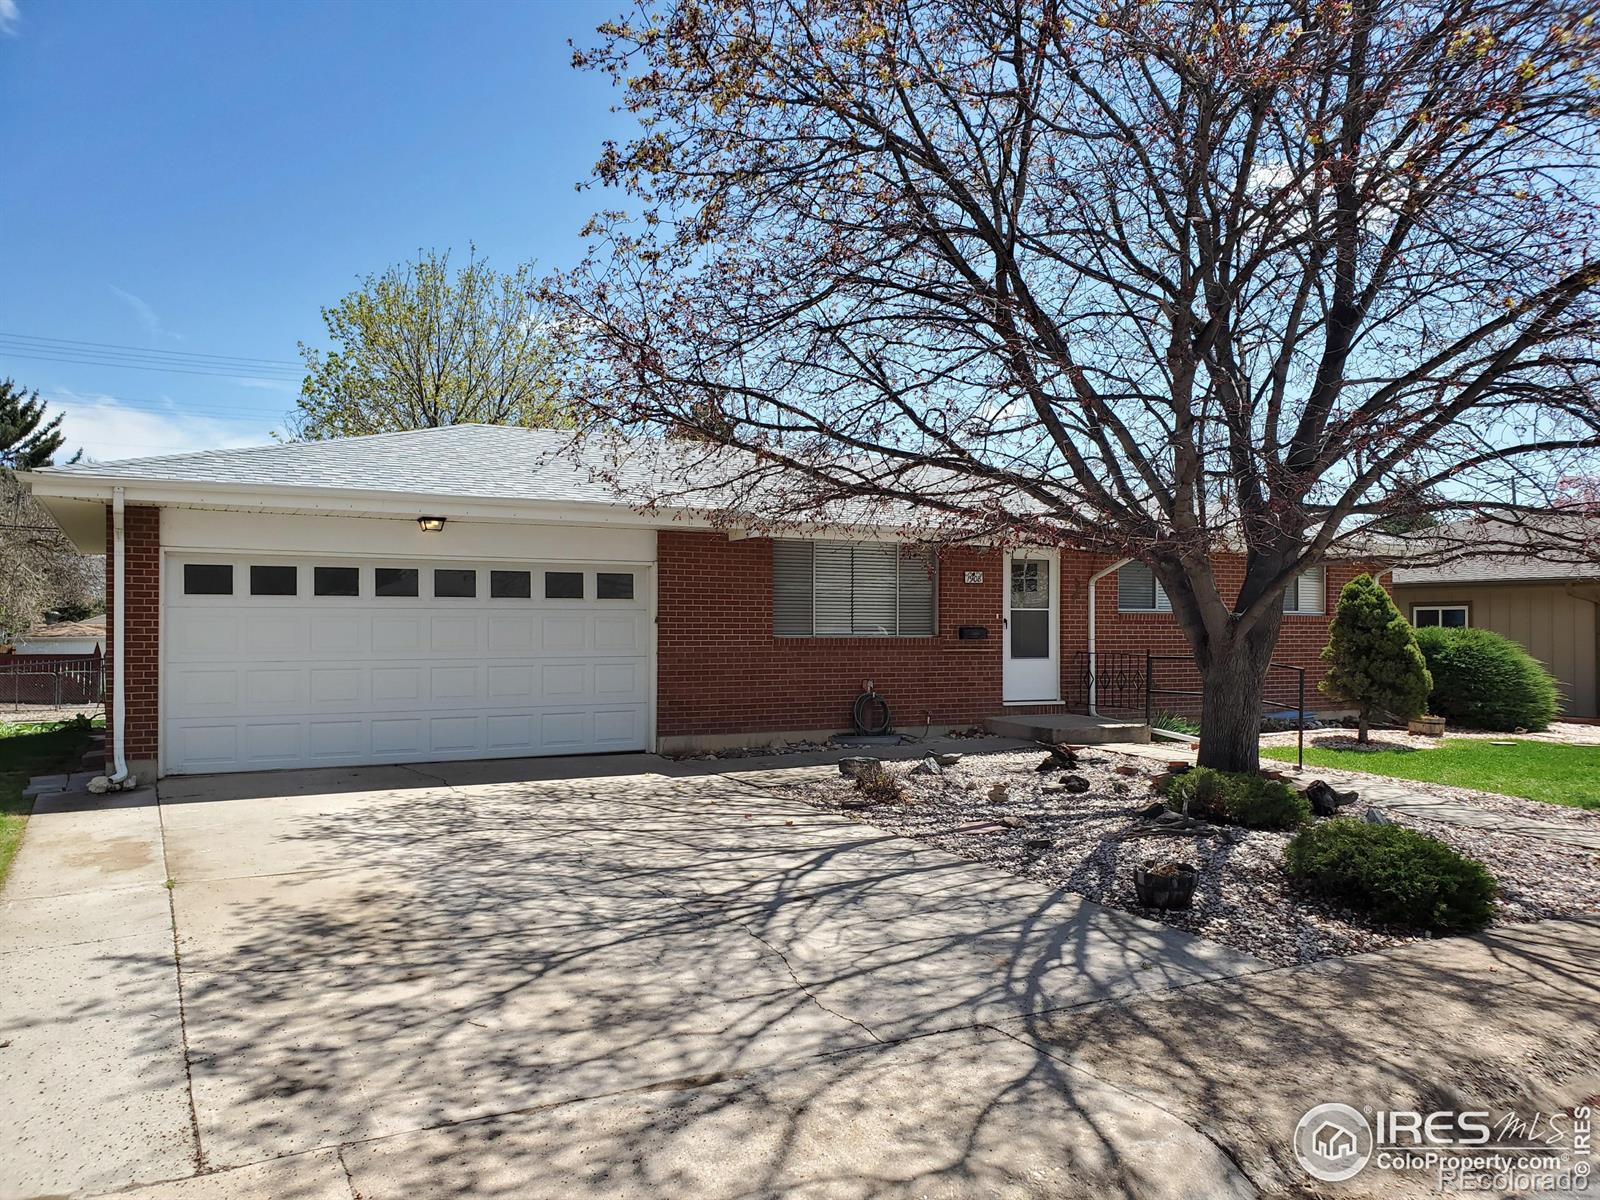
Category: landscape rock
[1152,810]
[928,766]
[1038,842]
[857,800]
[1074,785]
[99,785]
[1326,800]
[1013,822]
[948,759]
[855,764]
[1126,769]
[1376,816]
[999,793]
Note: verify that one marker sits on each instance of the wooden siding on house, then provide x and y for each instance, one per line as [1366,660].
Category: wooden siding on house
[1557,626]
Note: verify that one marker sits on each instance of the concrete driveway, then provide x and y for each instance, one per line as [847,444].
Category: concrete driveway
[492,980]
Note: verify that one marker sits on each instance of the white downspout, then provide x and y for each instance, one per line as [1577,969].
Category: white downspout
[118,609]
[1094,699]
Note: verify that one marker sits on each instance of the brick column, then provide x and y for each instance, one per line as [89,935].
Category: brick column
[141,570]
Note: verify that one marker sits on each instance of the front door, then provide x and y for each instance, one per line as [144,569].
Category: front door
[1033,650]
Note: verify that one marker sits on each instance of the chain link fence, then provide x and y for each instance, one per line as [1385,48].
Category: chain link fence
[42,689]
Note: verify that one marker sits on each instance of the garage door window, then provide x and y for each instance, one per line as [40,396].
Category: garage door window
[453,584]
[613,585]
[273,581]
[563,585]
[394,581]
[336,581]
[510,585]
[207,579]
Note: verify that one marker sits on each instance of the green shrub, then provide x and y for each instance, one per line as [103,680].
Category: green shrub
[1486,681]
[1399,876]
[1174,723]
[1372,656]
[1249,800]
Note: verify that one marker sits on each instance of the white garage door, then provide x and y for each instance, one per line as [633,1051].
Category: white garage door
[277,662]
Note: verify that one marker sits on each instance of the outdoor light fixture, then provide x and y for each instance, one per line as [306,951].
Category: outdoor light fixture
[430,524]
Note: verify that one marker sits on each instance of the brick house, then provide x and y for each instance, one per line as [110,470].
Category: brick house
[473,592]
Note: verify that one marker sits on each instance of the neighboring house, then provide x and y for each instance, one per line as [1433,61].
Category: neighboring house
[65,639]
[473,592]
[1549,604]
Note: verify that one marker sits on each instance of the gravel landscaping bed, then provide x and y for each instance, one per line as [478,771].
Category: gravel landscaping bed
[994,808]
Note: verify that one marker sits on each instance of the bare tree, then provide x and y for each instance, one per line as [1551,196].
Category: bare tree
[1176,279]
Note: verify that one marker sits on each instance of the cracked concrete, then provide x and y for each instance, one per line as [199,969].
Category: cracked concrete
[512,979]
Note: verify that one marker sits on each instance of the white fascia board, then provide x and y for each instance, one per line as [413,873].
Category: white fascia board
[80,486]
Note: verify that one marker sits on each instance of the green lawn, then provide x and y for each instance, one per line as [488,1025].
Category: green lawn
[1536,770]
[26,751]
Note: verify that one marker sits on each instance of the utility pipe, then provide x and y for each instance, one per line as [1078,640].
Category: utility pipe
[1094,698]
[118,611]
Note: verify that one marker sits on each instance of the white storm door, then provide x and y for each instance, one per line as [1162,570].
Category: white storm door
[1033,639]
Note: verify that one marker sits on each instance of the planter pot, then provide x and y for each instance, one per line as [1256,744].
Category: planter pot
[1426,726]
[1165,885]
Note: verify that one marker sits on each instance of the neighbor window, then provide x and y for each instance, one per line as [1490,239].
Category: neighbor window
[1305,591]
[1138,590]
[454,583]
[273,581]
[336,581]
[858,589]
[510,585]
[207,579]
[1450,616]
[394,581]
[613,585]
[563,585]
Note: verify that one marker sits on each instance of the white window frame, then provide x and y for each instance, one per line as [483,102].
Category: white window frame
[902,564]
[1292,605]
[1464,609]
[1162,604]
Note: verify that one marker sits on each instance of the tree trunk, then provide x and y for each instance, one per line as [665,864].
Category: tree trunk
[1230,717]
[1361,727]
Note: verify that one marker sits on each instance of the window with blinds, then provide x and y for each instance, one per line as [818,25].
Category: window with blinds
[851,589]
[1306,592]
[1138,590]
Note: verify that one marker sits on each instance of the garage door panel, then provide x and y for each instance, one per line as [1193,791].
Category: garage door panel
[513,633]
[396,685]
[451,735]
[396,635]
[339,687]
[274,689]
[206,635]
[452,686]
[332,739]
[207,691]
[254,682]
[512,682]
[615,681]
[397,736]
[339,636]
[270,743]
[617,635]
[510,733]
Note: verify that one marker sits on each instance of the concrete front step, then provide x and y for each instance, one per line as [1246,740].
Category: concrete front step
[1067,727]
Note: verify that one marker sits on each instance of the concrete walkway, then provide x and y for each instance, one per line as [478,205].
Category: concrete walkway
[1397,795]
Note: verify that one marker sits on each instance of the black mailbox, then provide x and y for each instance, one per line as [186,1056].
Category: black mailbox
[972,633]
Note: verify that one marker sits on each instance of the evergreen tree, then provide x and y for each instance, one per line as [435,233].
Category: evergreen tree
[25,443]
[1373,658]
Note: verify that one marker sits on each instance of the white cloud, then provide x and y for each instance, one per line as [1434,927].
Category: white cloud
[10,17]
[148,317]
[108,429]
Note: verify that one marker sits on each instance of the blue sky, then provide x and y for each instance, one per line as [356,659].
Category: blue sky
[200,178]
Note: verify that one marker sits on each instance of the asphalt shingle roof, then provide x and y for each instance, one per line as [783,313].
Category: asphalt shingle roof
[502,462]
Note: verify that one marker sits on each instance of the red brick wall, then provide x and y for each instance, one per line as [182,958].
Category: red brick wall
[141,568]
[722,671]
